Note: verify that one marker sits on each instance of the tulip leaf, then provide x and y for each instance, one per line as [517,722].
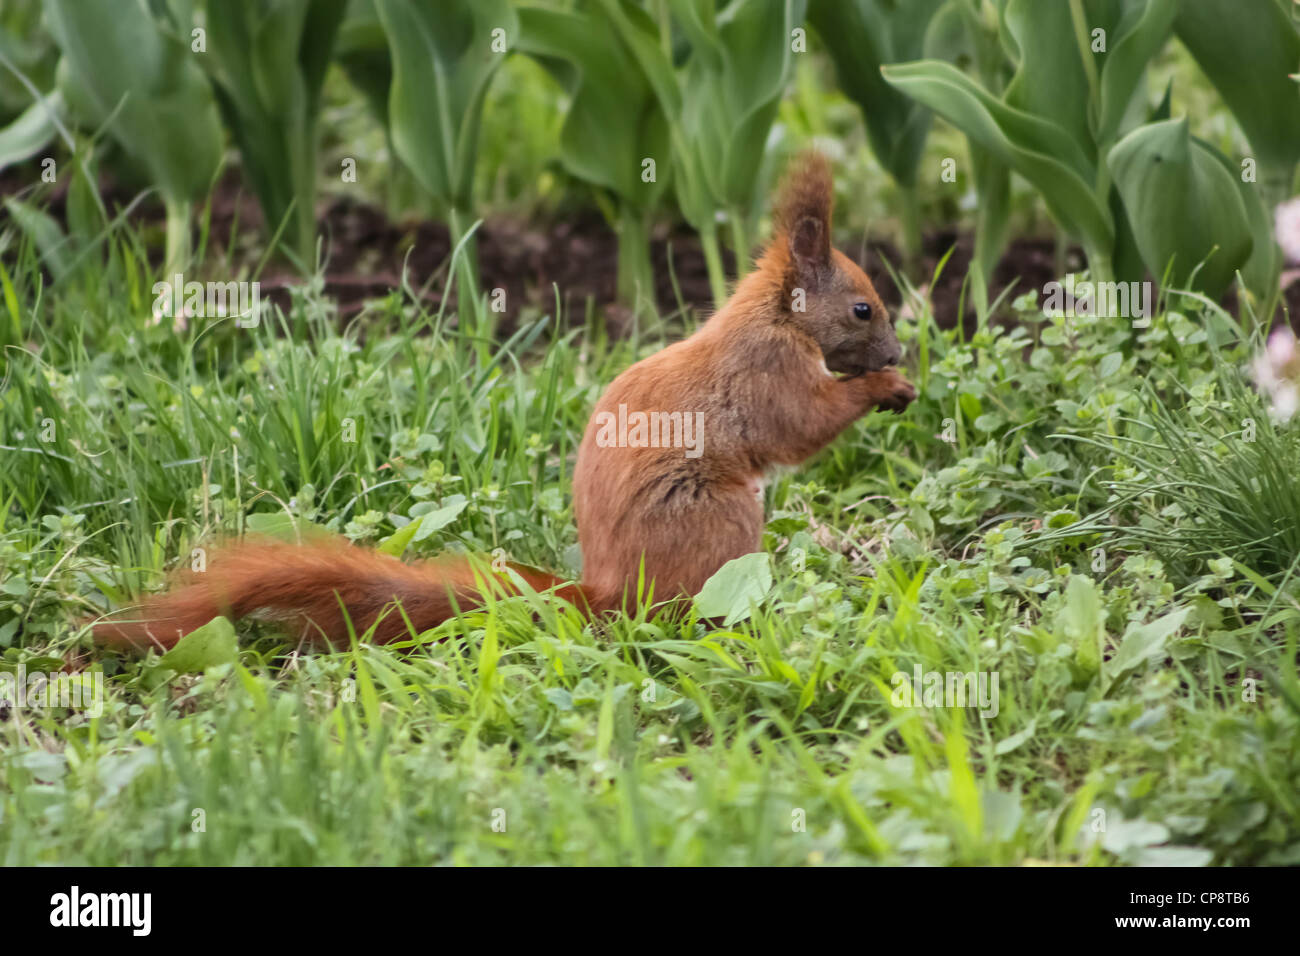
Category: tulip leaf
[1183,205]
[1141,34]
[861,36]
[119,67]
[1050,82]
[268,64]
[444,57]
[32,131]
[1247,48]
[614,124]
[613,121]
[1037,148]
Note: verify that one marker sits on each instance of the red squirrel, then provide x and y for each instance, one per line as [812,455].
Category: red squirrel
[670,470]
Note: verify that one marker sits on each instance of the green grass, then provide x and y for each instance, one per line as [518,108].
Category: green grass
[946,539]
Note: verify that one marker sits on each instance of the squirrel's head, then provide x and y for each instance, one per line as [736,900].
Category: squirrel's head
[823,292]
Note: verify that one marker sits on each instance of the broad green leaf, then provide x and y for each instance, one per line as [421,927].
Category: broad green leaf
[27,57]
[282,525]
[31,132]
[1121,836]
[1261,271]
[1143,643]
[734,587]
[957,35]
[613,124]
[1166,856]
[274,524]
[1082,620]
[733,101]
[1182,204]
[861,36]
[439,518]
[1044,153]
[362,50]
[267,64]
[208,646]
[1050,82]
[641,35]
[613,120]
[395,544]
[721,102]
[1247,48]
[120,67]
[1141,34]
[1016,740]
[443,61]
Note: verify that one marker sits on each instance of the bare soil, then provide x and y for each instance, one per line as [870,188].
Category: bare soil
[366,253]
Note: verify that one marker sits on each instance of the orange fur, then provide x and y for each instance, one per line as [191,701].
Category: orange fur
[307,587]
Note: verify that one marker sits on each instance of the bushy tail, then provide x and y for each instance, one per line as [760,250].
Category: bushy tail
[307,587]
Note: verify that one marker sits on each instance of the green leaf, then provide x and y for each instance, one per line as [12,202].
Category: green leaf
[613,120]
[1043,152]
[734,587]
[1049,82]
[1247,48]
[1082,620]
[279,524]
[439,518]
[208,646]
[730,99]
[1140,35]
[1163,856]
[119,66]
[395,544]
[861,36]
[32,131]
[1016,740]
[1122,836]
[1144,643]
[1261,271]
[613,124]
[362,50]
[443,62]
[87,217]
[1182,204]
[721,102]
[45,234]
[267,64]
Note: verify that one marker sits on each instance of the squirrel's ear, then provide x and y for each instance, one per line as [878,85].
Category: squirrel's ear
[803,213]
[810,247]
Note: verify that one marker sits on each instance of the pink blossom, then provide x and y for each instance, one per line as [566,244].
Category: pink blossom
[1286,220]
[1277,373]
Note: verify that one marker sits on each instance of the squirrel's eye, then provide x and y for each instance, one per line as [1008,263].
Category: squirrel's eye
[862,310]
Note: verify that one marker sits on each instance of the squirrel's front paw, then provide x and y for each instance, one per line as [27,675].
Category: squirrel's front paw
[896,392]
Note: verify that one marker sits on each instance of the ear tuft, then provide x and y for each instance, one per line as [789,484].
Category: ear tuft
[803,209]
